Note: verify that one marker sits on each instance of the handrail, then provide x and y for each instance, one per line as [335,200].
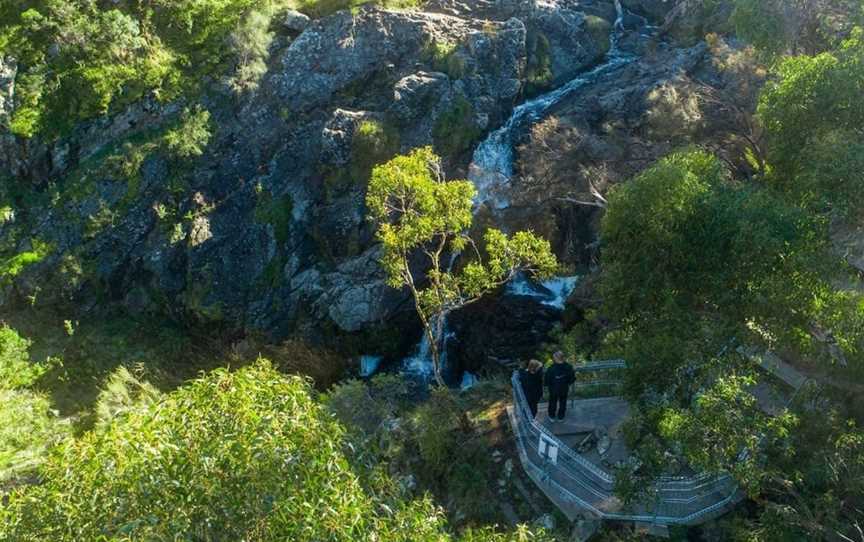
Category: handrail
[676,496]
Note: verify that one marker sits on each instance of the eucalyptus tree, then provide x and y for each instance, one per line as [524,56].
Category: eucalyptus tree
[419,213]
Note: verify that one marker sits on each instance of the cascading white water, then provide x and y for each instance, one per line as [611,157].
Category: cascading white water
[491,167]
[369,365]
[491,170]
[553,292]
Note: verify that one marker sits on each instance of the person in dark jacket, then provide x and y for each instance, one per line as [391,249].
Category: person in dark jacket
[558,380]
[531,378]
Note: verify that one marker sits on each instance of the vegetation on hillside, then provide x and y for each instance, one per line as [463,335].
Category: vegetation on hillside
[132,429]
[699,266]
[213,461]
[80,59]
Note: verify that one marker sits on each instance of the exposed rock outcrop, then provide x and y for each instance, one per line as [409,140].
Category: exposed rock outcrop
[267,229]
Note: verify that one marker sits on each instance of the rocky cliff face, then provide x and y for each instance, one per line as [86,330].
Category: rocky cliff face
[266,231]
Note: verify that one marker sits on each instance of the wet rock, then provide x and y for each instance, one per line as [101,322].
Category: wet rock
[501,328]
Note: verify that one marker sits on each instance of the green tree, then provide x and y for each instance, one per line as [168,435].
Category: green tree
[417,211]
[724,429]
[692,260]
[812,113]
[245,455]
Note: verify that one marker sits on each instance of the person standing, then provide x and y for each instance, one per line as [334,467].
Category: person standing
[558,380]
[531,378]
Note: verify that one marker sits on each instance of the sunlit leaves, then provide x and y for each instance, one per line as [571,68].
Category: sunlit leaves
[417,211]
[726,430]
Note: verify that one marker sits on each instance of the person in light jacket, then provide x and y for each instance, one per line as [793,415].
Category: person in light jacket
[558,379]
[531,378]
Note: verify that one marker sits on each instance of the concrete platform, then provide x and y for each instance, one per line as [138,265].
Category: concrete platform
[583,417]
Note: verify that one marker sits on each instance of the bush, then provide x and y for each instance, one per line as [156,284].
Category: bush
[247,455]
[456,130]
[28,429]
[191,135]
[251,41]
[16,369]
[123,394]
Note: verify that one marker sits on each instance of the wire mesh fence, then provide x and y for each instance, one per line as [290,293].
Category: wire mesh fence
[582,488]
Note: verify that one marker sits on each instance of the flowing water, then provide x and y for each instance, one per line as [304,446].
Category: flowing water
[491,168]
[491,171]
[553,292]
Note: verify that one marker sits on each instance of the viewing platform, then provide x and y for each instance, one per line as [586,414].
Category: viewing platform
[573,462]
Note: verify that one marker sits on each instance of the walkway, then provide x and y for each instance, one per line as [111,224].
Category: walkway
[582,485]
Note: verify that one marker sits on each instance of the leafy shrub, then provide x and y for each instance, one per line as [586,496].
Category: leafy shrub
[247,455]
[444,57]
[28,429]
[211,461]
[456,131]
[16,369]
[191,135]
[122,394]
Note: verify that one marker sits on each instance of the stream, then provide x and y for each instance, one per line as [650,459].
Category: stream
[491,171]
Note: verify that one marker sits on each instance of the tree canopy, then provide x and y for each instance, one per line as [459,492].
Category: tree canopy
[244,455]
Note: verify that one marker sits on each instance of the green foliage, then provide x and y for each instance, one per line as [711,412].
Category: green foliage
[818,489]
[760,23]
[444,57]
[210,461]
[16,369]
[438,423]
[726,430]
[28,429]
[122,394]
[80,59]
[12,267]
[438,443]
[373,143]
[416,210]
[758,266]
[812,114]
[251,41]
[191,135]
[455,130]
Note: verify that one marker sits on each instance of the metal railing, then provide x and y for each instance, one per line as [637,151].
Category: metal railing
[581,487]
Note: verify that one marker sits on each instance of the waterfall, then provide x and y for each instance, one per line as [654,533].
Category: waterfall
[491,171]
[553,292]
[491,168]
[420,364]
[369,365]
